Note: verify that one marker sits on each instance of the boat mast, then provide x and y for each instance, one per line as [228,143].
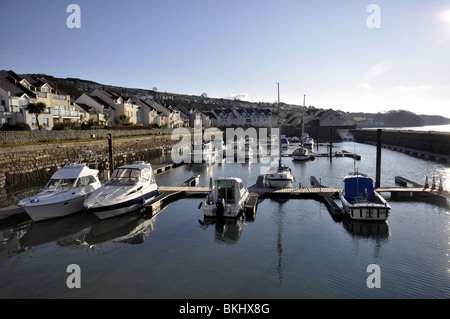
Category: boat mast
[303,117]
[279,122]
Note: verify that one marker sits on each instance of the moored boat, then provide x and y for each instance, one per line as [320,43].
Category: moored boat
[279,176]
[64,194]
[129,187]
[227,198]
[301,154]
[360,201]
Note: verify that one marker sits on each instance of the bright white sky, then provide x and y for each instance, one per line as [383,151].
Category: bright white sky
[322,48]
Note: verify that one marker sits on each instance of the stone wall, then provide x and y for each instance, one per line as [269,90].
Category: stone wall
[22,165]
[21,137]
[428,141]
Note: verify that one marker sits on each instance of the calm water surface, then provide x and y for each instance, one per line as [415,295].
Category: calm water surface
[289,249]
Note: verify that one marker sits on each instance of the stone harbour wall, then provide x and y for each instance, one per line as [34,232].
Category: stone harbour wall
[427,141]
[22,137]
[22,165]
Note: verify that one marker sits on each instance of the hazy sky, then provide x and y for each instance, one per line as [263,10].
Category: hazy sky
[342,54]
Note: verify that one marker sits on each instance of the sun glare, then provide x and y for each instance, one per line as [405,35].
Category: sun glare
[446,16]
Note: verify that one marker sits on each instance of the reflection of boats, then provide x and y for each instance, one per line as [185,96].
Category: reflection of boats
[57,229]
[204,153]
[132,228]
[228,231]
[361,201]
[64,194]
[301,154]
[364,229]
[250,147]
[226,199]
[129,187]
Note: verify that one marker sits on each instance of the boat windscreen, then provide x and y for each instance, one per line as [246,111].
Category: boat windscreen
[60,184]
[124,176]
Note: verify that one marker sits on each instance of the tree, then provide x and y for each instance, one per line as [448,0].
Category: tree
[36,109]
[124,118]
[106,117]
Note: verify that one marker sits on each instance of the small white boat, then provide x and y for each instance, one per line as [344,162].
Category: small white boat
[307,141]
[360,201]
[295,140]
[280,176]
[129,187]
[301,154]
[227,198]
[64,194]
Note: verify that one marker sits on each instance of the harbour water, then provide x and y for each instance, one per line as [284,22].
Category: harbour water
[291,248]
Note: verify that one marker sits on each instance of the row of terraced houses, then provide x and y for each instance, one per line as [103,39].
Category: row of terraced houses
[107,107]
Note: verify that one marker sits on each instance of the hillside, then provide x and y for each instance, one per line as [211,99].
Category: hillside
[76,87]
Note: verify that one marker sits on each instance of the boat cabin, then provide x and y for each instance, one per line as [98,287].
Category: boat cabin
[131,175]
[72,176]
[358,186]
[229,189]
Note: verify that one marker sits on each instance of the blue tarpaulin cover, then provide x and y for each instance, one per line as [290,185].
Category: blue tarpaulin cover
[358,185]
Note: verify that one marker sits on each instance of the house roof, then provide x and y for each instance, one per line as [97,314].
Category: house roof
[12,84]
[87,108]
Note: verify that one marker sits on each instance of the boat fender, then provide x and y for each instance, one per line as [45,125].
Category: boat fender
[200,205]
[107,166]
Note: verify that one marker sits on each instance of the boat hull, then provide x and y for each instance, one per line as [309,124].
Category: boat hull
[230,211]
[301,157]
[54,210]
[279,182]
[120,208]
[366,211]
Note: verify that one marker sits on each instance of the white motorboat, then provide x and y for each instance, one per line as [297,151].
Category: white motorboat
[301,154]
[360,201]
[64,194]
[129,187]
[295,140]
[307,141]
[227,198]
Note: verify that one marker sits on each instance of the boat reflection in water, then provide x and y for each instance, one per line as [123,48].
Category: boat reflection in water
[378,229]
[132,228]
[228,230]
[65,231]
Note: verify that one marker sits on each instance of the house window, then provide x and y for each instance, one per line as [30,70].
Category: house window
[23,103]
[45,122]
[45,90]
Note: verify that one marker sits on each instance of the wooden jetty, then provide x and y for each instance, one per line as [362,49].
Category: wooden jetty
[344,153]
[164,167]
[414,191]
[318,192]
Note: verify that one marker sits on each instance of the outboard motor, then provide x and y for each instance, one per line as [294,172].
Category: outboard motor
[220,207]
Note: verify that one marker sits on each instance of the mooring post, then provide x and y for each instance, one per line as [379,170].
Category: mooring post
[331,143]
[378,173]
[111,155]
